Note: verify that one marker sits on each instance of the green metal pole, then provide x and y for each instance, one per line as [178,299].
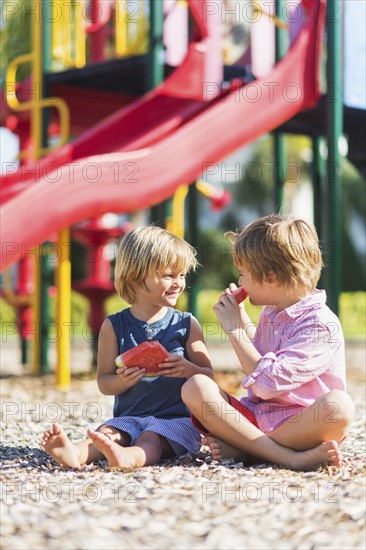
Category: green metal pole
[279,138]
[318,175]
[156,50]
[46,59]
[334,133]
[194,239]
[46,270]
[159,212]
[318,172]
[24,349]
[279,155]
[155,73]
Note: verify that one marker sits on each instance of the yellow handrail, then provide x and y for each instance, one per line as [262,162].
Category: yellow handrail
[276,20]
[206,189]
[37,103]
[10,82]
[12,297]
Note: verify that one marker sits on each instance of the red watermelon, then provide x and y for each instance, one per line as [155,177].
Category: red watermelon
[147,355]
[240,294]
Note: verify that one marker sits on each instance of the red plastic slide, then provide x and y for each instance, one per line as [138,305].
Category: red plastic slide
[141,124]
[123,182]
[148,120]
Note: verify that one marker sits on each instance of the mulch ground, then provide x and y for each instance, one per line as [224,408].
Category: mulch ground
[189,502]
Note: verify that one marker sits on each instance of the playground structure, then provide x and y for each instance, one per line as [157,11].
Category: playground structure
[97,285]
[135,155]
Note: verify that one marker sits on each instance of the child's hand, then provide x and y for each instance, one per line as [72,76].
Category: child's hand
[239,293]
[228,311]
[176,366]
[231,289]
[130,375]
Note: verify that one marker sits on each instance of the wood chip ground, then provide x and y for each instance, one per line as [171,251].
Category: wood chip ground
[190,502]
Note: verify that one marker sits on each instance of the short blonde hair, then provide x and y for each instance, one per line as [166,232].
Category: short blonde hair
[149,251]
[285,246]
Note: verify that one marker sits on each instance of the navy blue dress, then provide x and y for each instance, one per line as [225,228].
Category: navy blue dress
[155,403]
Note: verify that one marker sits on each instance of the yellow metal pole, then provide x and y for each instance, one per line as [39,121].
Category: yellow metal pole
[36,132]
[56,30]
[175,224]
[80,37]
[63,321]
[121,28]
[36,352]
[124,21]
[67,38]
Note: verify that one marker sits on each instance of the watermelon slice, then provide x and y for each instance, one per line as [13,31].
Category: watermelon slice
[147,355]
[240,294]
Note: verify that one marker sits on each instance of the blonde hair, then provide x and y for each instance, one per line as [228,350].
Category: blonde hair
[149,251]
[285,246]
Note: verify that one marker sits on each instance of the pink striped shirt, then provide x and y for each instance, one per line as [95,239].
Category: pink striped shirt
[303,358]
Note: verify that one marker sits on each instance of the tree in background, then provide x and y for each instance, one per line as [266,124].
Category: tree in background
[14,35]
[253,197]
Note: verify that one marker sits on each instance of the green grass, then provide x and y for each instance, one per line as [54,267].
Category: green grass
[352,313]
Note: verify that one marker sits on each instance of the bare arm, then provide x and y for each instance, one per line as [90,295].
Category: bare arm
[246,321]
[197,351]
[110,380]
[247,354]
[231,318]
[198,359]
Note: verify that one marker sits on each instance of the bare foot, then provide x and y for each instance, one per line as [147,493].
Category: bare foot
[219,449]
[56,443]
[117,456]
[327,453]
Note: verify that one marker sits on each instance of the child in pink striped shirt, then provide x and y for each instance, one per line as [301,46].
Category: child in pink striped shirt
[296,411]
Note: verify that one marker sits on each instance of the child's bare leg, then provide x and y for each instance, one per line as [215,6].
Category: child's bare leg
[204,399]
[327,419]
[325,453]
[149,449]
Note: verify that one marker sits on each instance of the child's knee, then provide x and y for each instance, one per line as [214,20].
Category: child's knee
[343,406]
[192,389]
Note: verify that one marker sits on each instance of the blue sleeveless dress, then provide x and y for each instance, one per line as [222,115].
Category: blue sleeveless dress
[155,403]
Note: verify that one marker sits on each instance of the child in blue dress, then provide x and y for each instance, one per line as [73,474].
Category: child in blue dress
[150,420]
